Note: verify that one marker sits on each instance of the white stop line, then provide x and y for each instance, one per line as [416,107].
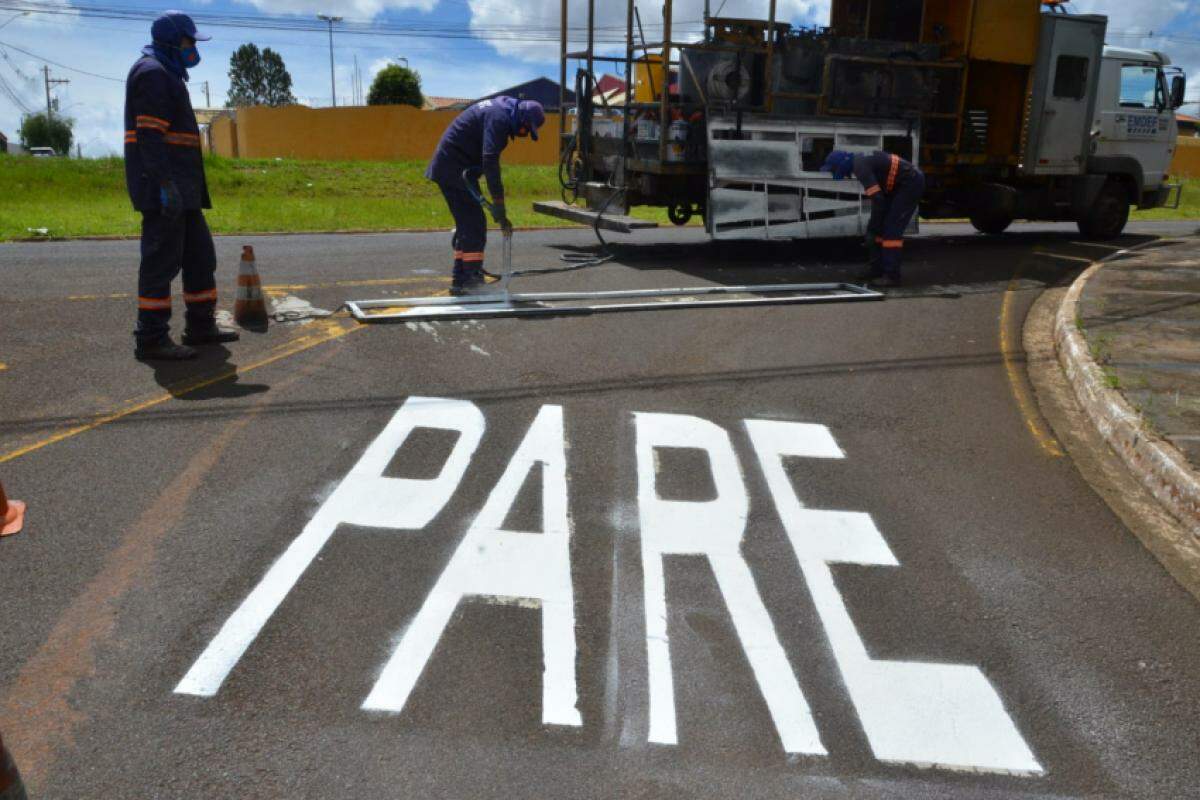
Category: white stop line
[927,714]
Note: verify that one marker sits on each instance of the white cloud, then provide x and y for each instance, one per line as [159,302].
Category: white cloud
[351,9]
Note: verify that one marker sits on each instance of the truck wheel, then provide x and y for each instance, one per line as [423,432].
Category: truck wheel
[1108,215]
[680,214]
[991,224]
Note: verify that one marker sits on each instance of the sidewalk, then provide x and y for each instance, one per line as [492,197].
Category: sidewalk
[1128,335]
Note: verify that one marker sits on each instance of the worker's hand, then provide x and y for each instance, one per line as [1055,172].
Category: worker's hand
[502,219]
[171,200]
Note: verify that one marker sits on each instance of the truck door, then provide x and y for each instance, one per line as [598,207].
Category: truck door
[1142,125]
[1063,97]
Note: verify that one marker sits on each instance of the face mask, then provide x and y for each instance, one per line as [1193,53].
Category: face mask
[190,55]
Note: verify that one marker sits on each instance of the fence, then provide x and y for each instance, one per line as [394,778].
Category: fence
[1187,158]
[355,133]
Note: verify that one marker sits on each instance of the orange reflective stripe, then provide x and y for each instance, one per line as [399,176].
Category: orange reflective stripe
[893,244]
[892,173]
[154,303]
[146,121]
[200,297]
[472,257]
[183,139]
[872,190]
[878,240]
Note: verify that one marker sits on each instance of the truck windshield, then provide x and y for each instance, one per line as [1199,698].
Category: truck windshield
[1139,87]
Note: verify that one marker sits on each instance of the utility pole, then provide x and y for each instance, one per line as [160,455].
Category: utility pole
[357,87]
[207,96]
[332,81]
[50,82]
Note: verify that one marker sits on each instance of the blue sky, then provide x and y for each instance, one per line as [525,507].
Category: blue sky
[458,67]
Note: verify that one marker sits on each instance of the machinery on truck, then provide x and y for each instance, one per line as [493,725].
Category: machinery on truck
[1014,109]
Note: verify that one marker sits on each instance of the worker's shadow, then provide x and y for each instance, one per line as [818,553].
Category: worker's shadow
[208,377]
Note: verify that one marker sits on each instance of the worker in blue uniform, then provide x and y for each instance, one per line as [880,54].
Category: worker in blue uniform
[895,187]
[164,173]
[474,141]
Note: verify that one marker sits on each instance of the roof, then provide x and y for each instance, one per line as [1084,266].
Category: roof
[1129,54]
[608,84]
[439,103]
[544,90]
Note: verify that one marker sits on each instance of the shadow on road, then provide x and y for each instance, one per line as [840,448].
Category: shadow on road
[209,377]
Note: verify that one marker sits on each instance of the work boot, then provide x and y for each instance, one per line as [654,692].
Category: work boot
[888,280]
[213,334]
[467,281]
[873,272]
[163,349]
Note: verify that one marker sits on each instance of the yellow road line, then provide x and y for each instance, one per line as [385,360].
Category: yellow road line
[1011,353]
[329,330]
[278,288]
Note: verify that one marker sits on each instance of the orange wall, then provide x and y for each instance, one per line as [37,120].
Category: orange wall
[1187,158]
[223,133]
[361,133]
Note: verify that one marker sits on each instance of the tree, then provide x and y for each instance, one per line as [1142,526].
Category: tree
[395,85]
[258,78]
[38,130]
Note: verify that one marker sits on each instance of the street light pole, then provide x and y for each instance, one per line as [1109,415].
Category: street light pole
[332,81]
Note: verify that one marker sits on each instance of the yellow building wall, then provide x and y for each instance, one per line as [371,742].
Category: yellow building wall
[1187,158]
[223,134]
[361,133]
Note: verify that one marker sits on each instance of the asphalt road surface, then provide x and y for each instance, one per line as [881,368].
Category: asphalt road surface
[787,552]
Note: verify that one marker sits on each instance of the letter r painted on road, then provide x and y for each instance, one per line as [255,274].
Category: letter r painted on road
[364,497]
[506,565]
[931,715]
[712,529]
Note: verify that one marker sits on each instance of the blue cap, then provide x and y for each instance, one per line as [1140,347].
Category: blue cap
[172,26]
[531,114]
[840,163]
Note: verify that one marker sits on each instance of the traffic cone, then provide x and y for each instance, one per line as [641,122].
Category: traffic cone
[250,307]
[12,514]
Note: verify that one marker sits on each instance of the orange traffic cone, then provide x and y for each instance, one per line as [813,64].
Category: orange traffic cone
[12,514]
[250,308]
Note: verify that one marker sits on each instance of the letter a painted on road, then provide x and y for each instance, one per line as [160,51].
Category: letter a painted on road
[507,565]
[931,715]
[364,497]
[711,528]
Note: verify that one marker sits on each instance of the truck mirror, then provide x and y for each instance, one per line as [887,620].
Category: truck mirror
[1178,89]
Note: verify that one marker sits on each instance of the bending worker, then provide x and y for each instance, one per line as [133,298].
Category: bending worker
[895,187]
[164,172]
[474,141]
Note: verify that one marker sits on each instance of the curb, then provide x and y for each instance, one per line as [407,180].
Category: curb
[1156,463]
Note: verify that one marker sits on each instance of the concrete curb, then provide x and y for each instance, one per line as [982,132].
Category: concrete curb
[1157,464]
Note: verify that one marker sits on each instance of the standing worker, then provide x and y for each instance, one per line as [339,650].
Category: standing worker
[895,187]
[474,141]
[164,172]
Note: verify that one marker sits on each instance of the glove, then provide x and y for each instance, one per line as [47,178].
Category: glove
[171,200]
[502,218]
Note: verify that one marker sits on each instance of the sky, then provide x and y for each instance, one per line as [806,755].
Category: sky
[461,48]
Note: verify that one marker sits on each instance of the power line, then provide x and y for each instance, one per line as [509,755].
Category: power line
[60,66]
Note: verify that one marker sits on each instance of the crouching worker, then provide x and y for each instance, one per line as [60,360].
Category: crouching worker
[164,172]
[474,141]
[895,187]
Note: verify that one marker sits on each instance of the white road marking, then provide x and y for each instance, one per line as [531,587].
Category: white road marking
[508,565]
[364,497]
[932,715]
[713,529]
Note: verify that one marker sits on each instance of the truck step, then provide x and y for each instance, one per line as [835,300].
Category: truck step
[619,223]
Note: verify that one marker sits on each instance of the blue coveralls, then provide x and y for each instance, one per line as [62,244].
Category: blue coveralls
[162,142]
[895,187]
[473,141]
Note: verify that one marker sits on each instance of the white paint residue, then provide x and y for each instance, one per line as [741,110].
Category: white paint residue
[516,566]
[713,529]
[477,349]
[942,715]
[364,497]
[425,327]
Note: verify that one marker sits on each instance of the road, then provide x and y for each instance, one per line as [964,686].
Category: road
[822,552]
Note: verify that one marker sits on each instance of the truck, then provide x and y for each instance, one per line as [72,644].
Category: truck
[1014,109]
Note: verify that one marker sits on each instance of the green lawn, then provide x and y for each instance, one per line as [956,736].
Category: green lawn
[72,197]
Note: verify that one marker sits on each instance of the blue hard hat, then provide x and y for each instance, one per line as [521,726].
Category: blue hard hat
[172,26]
[840,163]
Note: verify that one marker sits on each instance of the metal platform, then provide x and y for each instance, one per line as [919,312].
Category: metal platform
[609,222]
[544,304]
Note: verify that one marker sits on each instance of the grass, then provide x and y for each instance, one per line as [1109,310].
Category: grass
[73,198]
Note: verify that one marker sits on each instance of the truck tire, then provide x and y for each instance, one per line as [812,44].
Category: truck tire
[991,224]
[679,213]
[1109,213]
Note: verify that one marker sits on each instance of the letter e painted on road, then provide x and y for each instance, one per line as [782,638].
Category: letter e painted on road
[931,715]
[711,528]
[506,565]
[364,497]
